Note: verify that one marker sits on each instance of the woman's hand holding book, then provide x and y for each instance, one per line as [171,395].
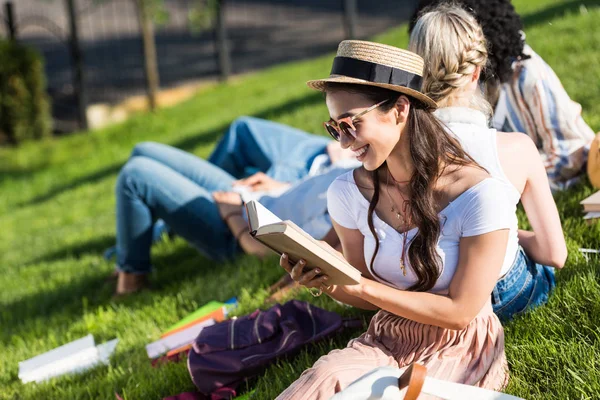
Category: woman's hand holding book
[310,278]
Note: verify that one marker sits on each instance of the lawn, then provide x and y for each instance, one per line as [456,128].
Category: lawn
[57,216]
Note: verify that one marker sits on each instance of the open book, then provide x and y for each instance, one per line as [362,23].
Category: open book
[286,237]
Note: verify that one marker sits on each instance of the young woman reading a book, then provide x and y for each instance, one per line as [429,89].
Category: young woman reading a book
[425,224]
[453,46]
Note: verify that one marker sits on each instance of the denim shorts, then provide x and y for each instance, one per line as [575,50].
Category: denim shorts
[525,286]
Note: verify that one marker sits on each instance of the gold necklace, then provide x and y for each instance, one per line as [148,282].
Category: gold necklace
[399,216]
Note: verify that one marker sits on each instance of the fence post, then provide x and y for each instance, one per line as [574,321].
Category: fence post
[10,20]
[350,16]
[77,60]
[221,42]
[150,63]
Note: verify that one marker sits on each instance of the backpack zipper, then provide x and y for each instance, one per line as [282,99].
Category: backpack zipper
[312,318]
[256,328]
[276,351]
[234,319]
[286,339]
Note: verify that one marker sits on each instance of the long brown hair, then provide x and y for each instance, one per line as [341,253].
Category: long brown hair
[432,150]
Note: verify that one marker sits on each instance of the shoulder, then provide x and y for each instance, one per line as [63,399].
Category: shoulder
[485,207]
[342,187]
[342,201]
[342,181]
[518,157]
[517,148]
[471,187]
[516,142]
[459,180]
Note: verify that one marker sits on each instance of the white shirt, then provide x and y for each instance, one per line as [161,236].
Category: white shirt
[481,209]
[535,102]
[470,127]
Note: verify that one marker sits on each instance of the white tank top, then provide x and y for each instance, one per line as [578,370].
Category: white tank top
[470,127]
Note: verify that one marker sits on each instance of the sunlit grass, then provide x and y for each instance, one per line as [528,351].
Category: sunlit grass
[57,215]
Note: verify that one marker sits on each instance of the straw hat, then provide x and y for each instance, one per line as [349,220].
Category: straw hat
[375,64]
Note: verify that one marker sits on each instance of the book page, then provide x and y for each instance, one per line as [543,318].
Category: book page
[257,212]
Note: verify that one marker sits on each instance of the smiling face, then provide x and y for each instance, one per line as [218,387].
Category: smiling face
[378,132]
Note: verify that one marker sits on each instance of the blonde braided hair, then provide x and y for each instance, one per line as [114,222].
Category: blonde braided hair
[453,46]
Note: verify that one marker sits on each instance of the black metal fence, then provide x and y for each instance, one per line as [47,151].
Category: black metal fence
[260,33]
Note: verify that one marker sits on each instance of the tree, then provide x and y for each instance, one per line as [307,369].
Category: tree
[153,11]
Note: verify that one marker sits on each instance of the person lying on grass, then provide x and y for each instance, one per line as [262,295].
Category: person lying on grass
[280,165]
[424,223]
[454,49]
[526,94]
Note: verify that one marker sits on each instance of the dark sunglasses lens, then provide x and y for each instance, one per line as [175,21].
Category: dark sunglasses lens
[347,129]
[333,132]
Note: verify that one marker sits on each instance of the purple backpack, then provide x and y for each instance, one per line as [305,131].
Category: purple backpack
[225,354]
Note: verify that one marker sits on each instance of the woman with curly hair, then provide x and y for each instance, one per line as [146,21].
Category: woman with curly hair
[526,94]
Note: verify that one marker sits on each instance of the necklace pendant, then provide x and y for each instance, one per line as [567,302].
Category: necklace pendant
[403,268]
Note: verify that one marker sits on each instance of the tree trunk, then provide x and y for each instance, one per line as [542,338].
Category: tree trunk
[150,62]
[78,65]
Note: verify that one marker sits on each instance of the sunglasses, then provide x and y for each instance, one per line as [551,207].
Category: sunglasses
[346,125]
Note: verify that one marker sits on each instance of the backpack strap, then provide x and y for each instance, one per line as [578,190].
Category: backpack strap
[413,378]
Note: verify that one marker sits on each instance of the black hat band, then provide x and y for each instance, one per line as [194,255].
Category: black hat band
[376,73]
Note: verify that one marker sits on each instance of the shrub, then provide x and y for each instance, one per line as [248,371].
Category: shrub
[24,104]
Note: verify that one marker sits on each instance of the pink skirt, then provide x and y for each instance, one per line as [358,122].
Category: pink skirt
[473,356]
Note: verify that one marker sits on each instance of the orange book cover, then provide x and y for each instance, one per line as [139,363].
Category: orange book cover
[179,350]
[217,315]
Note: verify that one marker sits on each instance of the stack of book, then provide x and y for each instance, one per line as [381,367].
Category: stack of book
[179,337]
[591,207]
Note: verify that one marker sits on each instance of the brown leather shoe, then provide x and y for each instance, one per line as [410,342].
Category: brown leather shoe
[128,283]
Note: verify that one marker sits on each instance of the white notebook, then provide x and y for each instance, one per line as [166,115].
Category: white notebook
[76,356]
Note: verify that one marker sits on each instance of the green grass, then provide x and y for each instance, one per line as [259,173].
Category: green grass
[57,215]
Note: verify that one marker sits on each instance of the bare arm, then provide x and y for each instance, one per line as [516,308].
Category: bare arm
[480,260]
[479,265]
[545,244]
[239,228]
[230,209]
[523,166]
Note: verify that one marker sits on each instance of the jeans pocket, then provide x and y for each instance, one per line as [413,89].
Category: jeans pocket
[515,298]
[544,283]
[532,299]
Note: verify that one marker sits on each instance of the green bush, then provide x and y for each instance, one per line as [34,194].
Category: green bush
[24,104]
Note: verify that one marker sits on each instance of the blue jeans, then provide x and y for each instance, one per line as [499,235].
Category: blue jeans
[525,286]
[159,181]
